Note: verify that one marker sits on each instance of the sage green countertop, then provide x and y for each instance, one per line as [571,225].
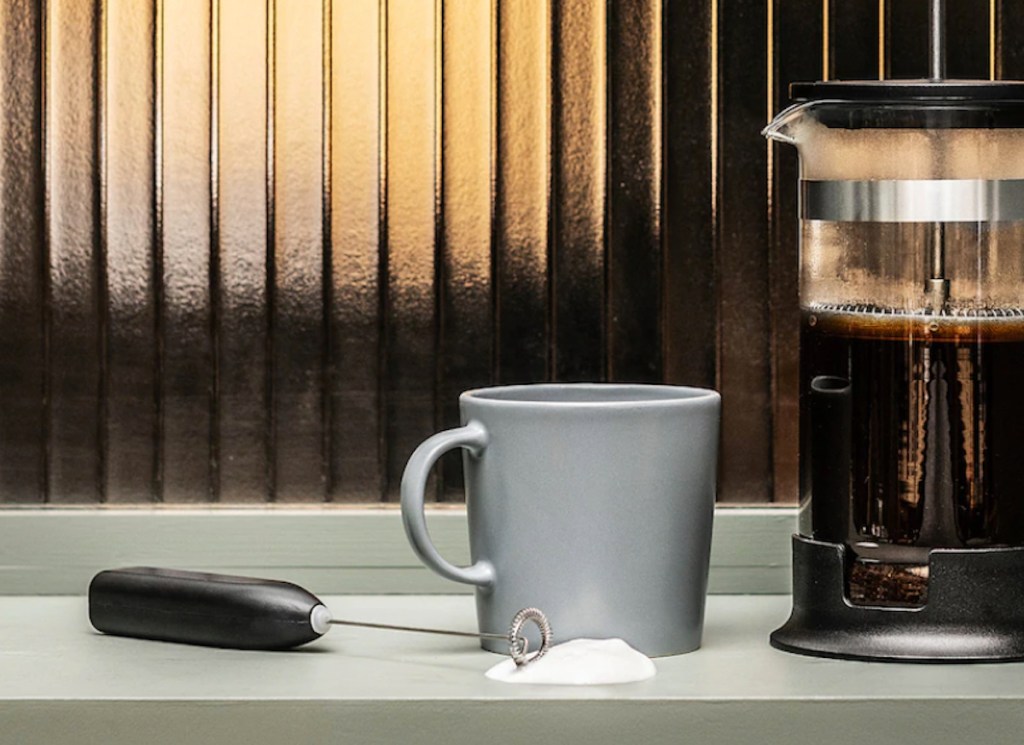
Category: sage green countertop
[60,682]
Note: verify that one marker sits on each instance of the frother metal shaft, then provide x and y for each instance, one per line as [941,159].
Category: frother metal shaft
[518,646]
[417,629]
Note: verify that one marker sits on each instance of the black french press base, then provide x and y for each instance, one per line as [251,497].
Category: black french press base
[974,612]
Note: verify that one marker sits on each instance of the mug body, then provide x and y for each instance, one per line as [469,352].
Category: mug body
[594,503]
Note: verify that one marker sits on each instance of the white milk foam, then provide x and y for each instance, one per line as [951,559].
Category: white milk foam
[580,662]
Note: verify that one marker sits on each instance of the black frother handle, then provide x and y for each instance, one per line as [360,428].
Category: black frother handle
[214,610]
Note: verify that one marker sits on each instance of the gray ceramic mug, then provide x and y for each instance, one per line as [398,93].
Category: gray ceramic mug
[591,502]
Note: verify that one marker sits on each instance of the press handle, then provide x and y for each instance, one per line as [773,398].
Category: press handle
[213,610]
[472,437]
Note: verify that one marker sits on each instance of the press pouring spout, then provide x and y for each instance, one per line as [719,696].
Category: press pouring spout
[782,127]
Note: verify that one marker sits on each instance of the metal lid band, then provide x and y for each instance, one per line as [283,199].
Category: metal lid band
[935,200]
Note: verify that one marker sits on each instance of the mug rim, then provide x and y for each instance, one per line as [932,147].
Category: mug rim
[653,395]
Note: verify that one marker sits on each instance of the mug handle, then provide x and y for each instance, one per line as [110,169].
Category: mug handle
[472,437]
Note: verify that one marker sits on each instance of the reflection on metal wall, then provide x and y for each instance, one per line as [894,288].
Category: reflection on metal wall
[251,250]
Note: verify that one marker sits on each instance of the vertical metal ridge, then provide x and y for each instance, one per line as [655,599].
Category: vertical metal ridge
[554,95]
[607,372]
[607,274]
[826,39]
[298,263]
[635,172]
[465,227]
[439,269]
[45,214]
[549,274]
[967,35]
[774,389]
[550,372]
[188,363]
[411,222]
[496,164]
[1003,53]
[271,273]
[327,374]
[493,165]
[23,266]
[214,283]
[579,186]
[743,232]
[44,264]
[242,252]
[770,62]
[997,39]
[886,21]
[75,327]
[658,191]
[606,238]
[523,192]
[993,40]
[158,250]
[882,46]
[716,244]
[42,39]
[906,39]
[355,272]
[798,55]
[854,44]
[689,137]
[1009,35]
[383,250]
[127,224]
[100,104]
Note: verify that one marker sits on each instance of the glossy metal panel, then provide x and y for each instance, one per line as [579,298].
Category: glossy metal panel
[744,371]
[297,323]
[579,123]
[355,208]
[465,288]
[634,191]
[522,185]
[268,268]
[75,264]
[187,365]
[411,150]
[22,369]
[241,329]
[128,232]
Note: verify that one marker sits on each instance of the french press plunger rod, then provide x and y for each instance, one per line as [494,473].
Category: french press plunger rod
[938,284]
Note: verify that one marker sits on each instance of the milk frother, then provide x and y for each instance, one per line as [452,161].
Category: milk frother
[221,610]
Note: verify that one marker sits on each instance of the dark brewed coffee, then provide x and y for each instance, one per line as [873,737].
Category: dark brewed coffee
[912,432]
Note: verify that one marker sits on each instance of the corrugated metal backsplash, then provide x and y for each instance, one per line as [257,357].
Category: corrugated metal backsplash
[251,250]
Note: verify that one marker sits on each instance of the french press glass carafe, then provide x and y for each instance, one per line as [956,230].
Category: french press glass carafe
[911,542]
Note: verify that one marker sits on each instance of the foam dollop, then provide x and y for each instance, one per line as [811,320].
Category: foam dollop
[580,662]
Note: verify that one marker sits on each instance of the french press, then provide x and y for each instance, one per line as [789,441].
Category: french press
[911,538]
